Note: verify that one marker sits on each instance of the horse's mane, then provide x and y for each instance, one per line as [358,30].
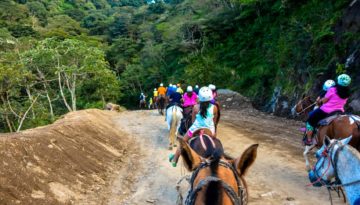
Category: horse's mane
[213,192]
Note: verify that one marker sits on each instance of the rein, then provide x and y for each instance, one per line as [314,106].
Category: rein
[337,184]
[304,109]
[236,199]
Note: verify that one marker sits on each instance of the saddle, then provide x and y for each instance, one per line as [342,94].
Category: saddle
[328,120]
[203,142]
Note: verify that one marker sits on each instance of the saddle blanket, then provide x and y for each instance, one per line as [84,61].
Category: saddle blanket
[328,120]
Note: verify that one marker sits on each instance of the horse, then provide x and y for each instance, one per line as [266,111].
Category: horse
[142,104]
[173,118]
[161,104]
[340,127]
[218,179]
[303,107]
[338,166]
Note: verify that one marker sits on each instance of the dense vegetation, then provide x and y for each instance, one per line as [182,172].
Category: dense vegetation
[61,55]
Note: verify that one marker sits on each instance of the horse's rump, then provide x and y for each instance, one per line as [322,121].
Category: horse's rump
[205,145]
[340,127]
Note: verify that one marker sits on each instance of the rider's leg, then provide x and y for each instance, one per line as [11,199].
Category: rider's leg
[175,157]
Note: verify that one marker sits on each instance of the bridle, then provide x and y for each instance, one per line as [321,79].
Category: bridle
[302,107]
[328,153]
[237,198]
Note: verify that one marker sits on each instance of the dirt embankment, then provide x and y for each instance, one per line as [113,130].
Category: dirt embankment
[69,162]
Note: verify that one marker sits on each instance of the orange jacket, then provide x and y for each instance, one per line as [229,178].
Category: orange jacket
[162,90]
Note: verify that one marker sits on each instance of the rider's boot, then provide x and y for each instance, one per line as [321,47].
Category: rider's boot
[308,137]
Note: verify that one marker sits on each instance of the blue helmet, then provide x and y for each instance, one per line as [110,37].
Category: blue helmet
[344,80]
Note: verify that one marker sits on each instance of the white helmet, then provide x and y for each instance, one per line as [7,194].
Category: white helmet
[161,85]
[205,94]
[196,86]
[170,85]
[212,87]
[155,89]
[328,84]
[189,89]
[174,86]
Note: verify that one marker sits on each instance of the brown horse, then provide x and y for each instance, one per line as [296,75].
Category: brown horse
[219,179]
[341,127]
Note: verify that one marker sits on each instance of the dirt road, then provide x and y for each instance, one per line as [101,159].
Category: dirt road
[277,177]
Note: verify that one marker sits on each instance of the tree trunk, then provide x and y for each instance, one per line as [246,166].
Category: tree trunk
[8,123]
[50,104]
[73,92]
[24,116]
[62,92]
[31,100]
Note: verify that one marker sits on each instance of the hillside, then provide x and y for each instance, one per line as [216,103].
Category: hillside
[64,55]
[72,161]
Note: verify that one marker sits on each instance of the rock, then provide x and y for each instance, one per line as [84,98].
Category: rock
[151,201]
[289,198]
[270,194]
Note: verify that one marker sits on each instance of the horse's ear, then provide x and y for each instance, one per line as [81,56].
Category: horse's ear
[246,159]
[326,141]
[191,159]
[346,140]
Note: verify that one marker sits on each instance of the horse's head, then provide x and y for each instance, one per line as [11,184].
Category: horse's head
[219,179]
[324,170]
[304,106]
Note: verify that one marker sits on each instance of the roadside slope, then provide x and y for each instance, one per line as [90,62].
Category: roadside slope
[68,162]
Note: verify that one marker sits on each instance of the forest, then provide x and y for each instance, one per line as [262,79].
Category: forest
[58,56]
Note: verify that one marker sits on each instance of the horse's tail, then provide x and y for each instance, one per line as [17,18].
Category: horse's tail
[173,126]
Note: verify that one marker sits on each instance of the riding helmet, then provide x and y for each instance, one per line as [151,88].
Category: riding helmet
[205,94]
[344,80]
[189,88]
[212,87]
[328,84]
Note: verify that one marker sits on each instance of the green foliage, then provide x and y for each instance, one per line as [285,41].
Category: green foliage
[250,46]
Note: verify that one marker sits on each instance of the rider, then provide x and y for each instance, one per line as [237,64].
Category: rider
[333,101]
[190,97]
[151,103]
[142,100]
[203,117]
[174,99]
[179,89]
[156,94]
[169,90]
[189,101]
[327,85]
[161,90]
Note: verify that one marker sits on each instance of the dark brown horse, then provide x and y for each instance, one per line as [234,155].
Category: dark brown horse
[303,107]
[218,179]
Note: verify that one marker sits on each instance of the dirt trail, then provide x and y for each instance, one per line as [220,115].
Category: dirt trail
[277,177]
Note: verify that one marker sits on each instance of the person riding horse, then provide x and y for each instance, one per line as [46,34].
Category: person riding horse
[156,94]
[333,101]
[204,118]
[327,85]
[142,100]
[190,100]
